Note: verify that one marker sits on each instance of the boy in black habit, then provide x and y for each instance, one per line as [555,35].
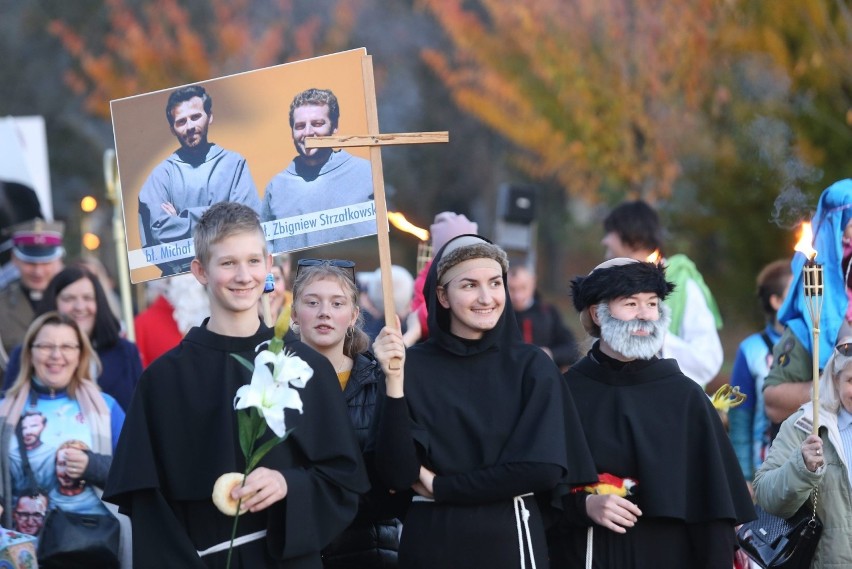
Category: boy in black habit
[181,431]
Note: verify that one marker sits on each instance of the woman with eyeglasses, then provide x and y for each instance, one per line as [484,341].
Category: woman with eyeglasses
[77,292]
[61,421]
[477,428]
[326,317]
[799,461]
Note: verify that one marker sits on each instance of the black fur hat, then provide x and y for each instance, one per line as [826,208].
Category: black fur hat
[617,278]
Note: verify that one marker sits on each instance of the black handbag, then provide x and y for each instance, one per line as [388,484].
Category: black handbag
[78,541]
[778,543]
[70,540]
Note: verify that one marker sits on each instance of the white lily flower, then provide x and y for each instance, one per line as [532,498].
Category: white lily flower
[269,398]
[296,371]
[286,368]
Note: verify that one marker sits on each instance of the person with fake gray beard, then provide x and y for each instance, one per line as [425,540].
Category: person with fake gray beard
[670,490]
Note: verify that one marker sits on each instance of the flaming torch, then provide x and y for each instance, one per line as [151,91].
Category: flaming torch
[424,248]
[813,284]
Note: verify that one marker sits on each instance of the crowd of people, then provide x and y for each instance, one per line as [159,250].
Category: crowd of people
[472,431]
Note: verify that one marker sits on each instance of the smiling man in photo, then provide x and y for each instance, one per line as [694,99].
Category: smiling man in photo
[317,179]
[194,177]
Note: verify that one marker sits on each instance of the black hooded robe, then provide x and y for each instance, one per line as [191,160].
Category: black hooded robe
[649,422]
[492,419]
[181,435]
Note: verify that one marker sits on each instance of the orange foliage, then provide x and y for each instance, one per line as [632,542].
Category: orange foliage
[160,45]
[809,39]
[594,93]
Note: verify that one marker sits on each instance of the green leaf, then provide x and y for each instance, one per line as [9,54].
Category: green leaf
[246,429]
[257,426]
[265,448]
[244,361]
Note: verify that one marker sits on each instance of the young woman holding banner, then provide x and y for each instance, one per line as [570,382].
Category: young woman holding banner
[476,423]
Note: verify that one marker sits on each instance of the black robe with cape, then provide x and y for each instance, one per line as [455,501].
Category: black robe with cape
[492,419]
[181,435]
[647,421]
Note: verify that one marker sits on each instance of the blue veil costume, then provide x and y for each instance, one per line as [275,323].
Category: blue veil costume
[833,213]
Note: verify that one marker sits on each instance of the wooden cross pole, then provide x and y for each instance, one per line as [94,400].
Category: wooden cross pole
[113,194]
[375,141]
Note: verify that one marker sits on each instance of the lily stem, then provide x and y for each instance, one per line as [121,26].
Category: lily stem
[234,528]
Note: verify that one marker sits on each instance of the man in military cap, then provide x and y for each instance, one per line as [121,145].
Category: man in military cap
[37,254]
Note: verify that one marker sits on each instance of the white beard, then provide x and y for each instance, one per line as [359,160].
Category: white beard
[190,301]
[619,334]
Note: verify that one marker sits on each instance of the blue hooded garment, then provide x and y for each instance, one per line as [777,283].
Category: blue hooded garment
[833,213]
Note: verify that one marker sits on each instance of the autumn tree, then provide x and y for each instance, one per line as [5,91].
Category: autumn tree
[599,95]
[157,44]
[623,96]
[710,109]
[809,43]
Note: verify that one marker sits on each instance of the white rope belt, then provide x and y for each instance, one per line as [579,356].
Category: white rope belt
[522,518]
[589,542]
[243,539]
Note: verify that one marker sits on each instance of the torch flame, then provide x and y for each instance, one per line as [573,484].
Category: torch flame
[653,257]
[398,220]
[804,244]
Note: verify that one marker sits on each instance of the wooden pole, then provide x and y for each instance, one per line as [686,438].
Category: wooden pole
[113,190]
[379,197]
[394,139]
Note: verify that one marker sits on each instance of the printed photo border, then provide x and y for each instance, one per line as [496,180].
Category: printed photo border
[250,114]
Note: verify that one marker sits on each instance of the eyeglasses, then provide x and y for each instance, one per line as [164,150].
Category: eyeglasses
[339,263]
[844,349]
[64,349]
[36,516]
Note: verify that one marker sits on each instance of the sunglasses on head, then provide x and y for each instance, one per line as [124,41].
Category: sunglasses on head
[844,349]
[339,263]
